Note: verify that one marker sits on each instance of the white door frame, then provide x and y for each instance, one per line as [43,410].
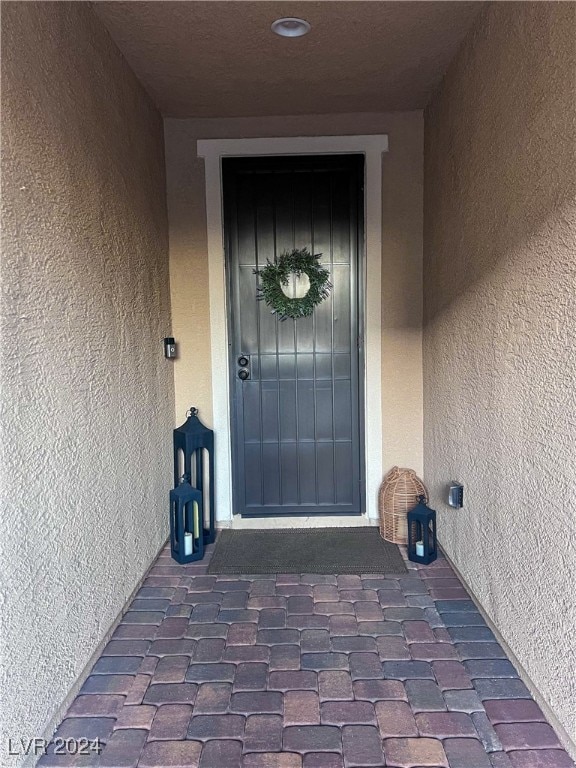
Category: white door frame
[213,150]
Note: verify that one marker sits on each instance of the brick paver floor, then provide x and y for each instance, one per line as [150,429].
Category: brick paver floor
[305,671]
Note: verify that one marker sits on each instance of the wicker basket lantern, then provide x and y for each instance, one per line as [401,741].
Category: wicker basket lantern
[399,493]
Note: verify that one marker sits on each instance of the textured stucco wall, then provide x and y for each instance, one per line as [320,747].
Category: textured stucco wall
[87,397]
[500,324]
[401,260]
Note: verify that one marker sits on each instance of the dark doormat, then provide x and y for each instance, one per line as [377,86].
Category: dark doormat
[310,550]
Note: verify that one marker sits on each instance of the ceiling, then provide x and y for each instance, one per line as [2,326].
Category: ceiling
[220,59]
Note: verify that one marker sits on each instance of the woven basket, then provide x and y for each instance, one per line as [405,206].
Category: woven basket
[398,495]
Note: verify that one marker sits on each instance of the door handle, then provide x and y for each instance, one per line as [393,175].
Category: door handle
[244,363]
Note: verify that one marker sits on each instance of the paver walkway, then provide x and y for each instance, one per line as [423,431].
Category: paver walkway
[306,671]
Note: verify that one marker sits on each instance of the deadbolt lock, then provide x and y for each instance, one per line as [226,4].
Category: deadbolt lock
[243,361]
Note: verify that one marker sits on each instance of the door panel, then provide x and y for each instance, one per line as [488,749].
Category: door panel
[296,420]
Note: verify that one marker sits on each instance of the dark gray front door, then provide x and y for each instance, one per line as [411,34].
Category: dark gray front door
[296,420]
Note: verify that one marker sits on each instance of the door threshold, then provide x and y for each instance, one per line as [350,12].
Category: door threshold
[302,521]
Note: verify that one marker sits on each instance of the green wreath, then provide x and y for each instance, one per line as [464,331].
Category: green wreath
[277,274]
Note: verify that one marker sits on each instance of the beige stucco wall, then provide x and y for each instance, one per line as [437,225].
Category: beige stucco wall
[401,260]
[87,397]
[500,324]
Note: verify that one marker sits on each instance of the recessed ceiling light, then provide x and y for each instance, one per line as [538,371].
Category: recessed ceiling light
[291,27]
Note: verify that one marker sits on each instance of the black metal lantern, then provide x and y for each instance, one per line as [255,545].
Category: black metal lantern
[193,439]
[186,534]
[422,547]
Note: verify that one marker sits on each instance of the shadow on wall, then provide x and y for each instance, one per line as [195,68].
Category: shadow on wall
[499,149]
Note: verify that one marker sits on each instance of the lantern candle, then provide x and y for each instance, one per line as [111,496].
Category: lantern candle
[422,546]
[191,442]
[187,543]
[196,521]
[186,540]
